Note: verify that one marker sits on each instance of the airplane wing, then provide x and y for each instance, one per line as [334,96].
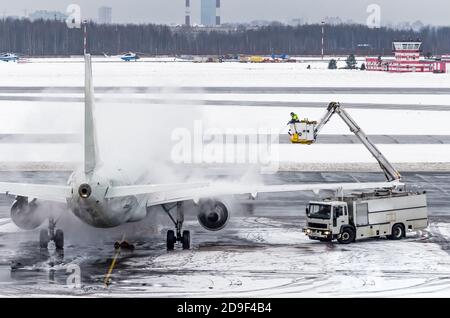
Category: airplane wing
[218,190]
[57,193]
[131,190]
[61,193]
[157,194]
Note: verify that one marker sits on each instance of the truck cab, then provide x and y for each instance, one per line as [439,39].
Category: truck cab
[324,219]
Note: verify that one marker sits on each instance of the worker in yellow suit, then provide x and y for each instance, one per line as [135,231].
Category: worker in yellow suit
[294,120]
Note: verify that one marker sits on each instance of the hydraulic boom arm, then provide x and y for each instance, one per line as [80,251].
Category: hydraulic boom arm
[335,108]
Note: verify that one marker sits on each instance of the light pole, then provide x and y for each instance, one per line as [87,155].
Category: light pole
[323,34]
[85,36]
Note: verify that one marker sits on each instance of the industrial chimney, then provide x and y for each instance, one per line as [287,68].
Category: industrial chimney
[217,12]
[187,21]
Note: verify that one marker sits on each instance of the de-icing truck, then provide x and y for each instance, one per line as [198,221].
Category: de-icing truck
[389,212]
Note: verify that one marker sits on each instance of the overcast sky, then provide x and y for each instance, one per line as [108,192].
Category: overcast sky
[434,12]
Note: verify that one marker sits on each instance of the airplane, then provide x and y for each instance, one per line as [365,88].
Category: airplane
[130,57]
[101,198]
[280,57]
[7,57]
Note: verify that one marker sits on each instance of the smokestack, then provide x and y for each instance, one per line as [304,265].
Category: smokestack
[187,20]
[217,12]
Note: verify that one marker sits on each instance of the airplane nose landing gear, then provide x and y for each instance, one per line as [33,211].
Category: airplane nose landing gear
[50,234]
[184,238]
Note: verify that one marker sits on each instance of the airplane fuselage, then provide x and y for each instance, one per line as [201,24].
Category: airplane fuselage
[129,57]
[90,204]
[8,57]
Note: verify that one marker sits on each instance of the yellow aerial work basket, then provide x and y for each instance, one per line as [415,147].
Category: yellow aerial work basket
[303,132]
[296,139]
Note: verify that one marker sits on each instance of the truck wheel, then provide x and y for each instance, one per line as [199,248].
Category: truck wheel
[397,232]
[347,236]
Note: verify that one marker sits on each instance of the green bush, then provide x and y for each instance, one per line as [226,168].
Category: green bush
[332,65]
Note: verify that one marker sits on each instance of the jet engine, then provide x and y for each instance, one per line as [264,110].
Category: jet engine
[25,215]
[213,215]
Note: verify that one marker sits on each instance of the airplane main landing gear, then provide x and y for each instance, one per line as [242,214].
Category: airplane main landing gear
[185,240]
[50,234]
[177,236]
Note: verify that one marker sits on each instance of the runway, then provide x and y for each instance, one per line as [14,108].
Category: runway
[231,90]
[283,139]
[170,96]
[261,253]
[205,102]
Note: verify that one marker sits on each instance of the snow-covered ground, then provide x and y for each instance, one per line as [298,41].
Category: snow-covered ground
[271,259]
[367,269]
[53,73]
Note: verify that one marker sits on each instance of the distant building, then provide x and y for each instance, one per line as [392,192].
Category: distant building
[332,20]
[260,23]
[297,21]
[208,12]
[407,59]
[105,15]
[47,15]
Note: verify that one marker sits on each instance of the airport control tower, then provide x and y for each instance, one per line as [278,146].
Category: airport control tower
[406,59]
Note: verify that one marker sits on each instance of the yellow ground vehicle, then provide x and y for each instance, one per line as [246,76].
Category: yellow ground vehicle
[256,59]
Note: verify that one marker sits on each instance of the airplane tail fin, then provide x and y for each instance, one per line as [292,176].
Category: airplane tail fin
[90,144]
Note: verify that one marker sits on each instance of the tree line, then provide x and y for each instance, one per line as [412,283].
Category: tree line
[42,38]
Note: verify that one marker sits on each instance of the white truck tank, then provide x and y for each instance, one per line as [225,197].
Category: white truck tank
[365,215]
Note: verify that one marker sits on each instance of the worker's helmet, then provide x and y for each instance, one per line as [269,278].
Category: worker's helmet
[292,114]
